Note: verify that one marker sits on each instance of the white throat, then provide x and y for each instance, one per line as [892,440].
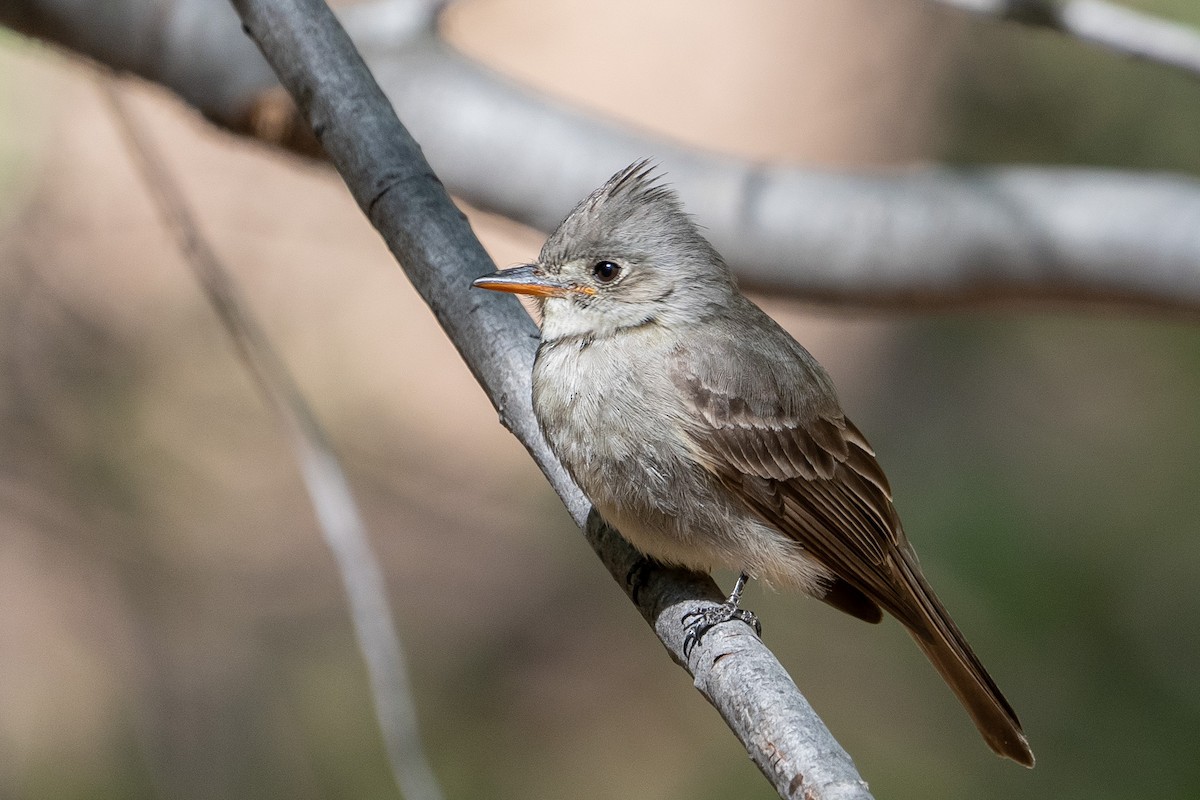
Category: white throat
[563,318]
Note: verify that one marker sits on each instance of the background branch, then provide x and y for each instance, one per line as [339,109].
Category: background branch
[338,515]
[395,187]
[1108,25]
[921,238]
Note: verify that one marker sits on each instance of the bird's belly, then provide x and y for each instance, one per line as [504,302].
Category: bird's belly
[619,467]
[632,461]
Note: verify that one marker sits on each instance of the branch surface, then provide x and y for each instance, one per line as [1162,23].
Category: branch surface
[929,237]
[398,191]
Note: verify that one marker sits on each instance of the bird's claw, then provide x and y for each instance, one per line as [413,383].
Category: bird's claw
[636,576]
[701,621]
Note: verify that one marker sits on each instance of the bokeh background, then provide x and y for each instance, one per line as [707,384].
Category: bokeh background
[172,626]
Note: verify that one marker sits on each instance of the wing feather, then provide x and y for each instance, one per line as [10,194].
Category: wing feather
[811,476]
[780,445]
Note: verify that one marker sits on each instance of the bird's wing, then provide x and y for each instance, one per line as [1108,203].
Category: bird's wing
[798,463]
[762,416]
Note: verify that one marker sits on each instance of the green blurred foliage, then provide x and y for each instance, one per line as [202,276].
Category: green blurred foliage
[1046,463]
[1046,466]
[1023,95]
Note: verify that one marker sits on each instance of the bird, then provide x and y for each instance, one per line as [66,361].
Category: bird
[708,437]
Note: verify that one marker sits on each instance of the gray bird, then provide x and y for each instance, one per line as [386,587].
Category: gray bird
[708,437]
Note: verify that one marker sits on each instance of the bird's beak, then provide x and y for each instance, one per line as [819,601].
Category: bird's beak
[526,279]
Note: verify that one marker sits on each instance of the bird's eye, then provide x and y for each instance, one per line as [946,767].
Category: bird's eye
[606,271]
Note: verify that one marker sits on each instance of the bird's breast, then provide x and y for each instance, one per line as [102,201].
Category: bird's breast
[611,413]
[605,409]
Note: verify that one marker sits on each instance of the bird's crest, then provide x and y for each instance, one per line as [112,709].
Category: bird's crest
[632,208]
[640,182]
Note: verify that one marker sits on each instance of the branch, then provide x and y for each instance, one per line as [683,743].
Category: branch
[385,171]
[1113,27]
[930,237]
[337,512]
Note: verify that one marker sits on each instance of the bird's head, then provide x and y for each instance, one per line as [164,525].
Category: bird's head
[625,257]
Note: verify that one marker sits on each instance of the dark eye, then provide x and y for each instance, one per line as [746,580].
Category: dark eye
[606,271]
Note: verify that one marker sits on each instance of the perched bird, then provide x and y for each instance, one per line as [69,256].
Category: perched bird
[708,437]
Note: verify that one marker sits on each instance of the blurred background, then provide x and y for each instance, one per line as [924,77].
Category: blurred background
[172,626]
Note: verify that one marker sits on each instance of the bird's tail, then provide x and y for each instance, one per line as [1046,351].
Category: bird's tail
[940,639]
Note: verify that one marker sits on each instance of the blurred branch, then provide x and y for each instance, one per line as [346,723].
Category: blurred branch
[929,237]
[398,191]
[337,512]
[1113,27]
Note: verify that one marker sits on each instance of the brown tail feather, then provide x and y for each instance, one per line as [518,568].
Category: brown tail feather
[953,658]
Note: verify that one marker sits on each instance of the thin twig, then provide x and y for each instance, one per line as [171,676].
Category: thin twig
[1113,27]
[337,512]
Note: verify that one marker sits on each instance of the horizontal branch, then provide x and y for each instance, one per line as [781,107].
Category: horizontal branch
[1108,25]
[927,237]
[397,190]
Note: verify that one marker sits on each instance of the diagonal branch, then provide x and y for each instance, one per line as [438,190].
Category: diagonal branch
[919,238]
[1122,30]
[337,512]
[385,171]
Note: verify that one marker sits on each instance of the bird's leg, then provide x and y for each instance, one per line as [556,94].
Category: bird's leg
[731,603]
[701,622]
[735,596]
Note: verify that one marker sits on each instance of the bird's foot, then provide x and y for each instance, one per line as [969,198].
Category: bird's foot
[700,622]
